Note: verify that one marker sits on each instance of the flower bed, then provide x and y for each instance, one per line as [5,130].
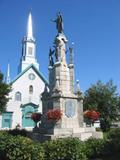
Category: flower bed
[92,115]
[54,114]
[36,117]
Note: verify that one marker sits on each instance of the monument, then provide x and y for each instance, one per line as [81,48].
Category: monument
[62,104]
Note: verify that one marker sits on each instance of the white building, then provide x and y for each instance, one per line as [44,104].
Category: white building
[25,97]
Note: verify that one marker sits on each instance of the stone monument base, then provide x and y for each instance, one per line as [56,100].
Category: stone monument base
[83,133]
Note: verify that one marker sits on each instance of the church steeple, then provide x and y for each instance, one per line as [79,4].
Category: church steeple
[29,27]
[28,48]
[8,74]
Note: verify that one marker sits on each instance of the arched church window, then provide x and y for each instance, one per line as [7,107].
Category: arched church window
[31,89]
[17,96]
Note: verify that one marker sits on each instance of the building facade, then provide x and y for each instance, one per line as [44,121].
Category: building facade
[27,87]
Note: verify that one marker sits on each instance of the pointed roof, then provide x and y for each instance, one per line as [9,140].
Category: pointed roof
[37,72]
[30,103]
[29,26]
[77,86]
[8,74]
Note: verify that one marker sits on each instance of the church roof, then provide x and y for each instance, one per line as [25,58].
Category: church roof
[35,69]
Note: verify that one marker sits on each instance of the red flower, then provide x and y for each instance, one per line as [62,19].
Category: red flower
[54,114]
[92,115]
[36,117]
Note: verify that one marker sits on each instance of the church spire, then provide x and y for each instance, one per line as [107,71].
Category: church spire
[29,26]
[28,48]
[8,74]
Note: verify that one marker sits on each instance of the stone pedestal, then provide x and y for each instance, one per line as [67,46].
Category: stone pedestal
[62,96]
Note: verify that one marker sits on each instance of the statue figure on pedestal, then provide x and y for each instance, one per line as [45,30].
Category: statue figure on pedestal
[60,48]
[60,40]
[59,23]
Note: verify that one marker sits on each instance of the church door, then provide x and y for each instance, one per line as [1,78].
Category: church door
[27,111]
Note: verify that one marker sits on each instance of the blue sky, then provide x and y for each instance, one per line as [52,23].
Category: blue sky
[93,26]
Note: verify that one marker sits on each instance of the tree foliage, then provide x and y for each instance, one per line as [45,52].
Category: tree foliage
[104,99]
[4,91]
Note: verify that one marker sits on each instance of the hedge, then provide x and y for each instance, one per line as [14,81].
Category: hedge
[19,148]
[64,149]
[113,140]
[23,148]
[4,139]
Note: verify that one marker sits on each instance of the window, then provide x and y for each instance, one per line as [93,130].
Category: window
[7,119]
[28,115]
[31,76]
[31,89]
[30,50]
[17,96]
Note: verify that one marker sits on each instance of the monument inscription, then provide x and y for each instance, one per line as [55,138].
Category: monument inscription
[69,108]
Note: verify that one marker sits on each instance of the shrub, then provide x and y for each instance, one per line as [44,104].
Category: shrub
[19,148]
[114,134]
[17,131]
[38,152]
[75,149]
[54,150]
[113,137]
[95,147]
[22,148]
[64,149]
[4,138]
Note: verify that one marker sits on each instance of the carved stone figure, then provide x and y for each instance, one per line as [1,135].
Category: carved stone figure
[57,53]
[60,48]
[59,23]
[51,61]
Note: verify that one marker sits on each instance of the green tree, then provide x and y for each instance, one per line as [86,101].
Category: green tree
[105,99]
[4,91]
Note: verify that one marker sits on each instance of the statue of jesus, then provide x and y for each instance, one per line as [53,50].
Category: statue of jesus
[59,23]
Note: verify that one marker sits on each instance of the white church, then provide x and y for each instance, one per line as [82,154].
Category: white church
[27,87]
